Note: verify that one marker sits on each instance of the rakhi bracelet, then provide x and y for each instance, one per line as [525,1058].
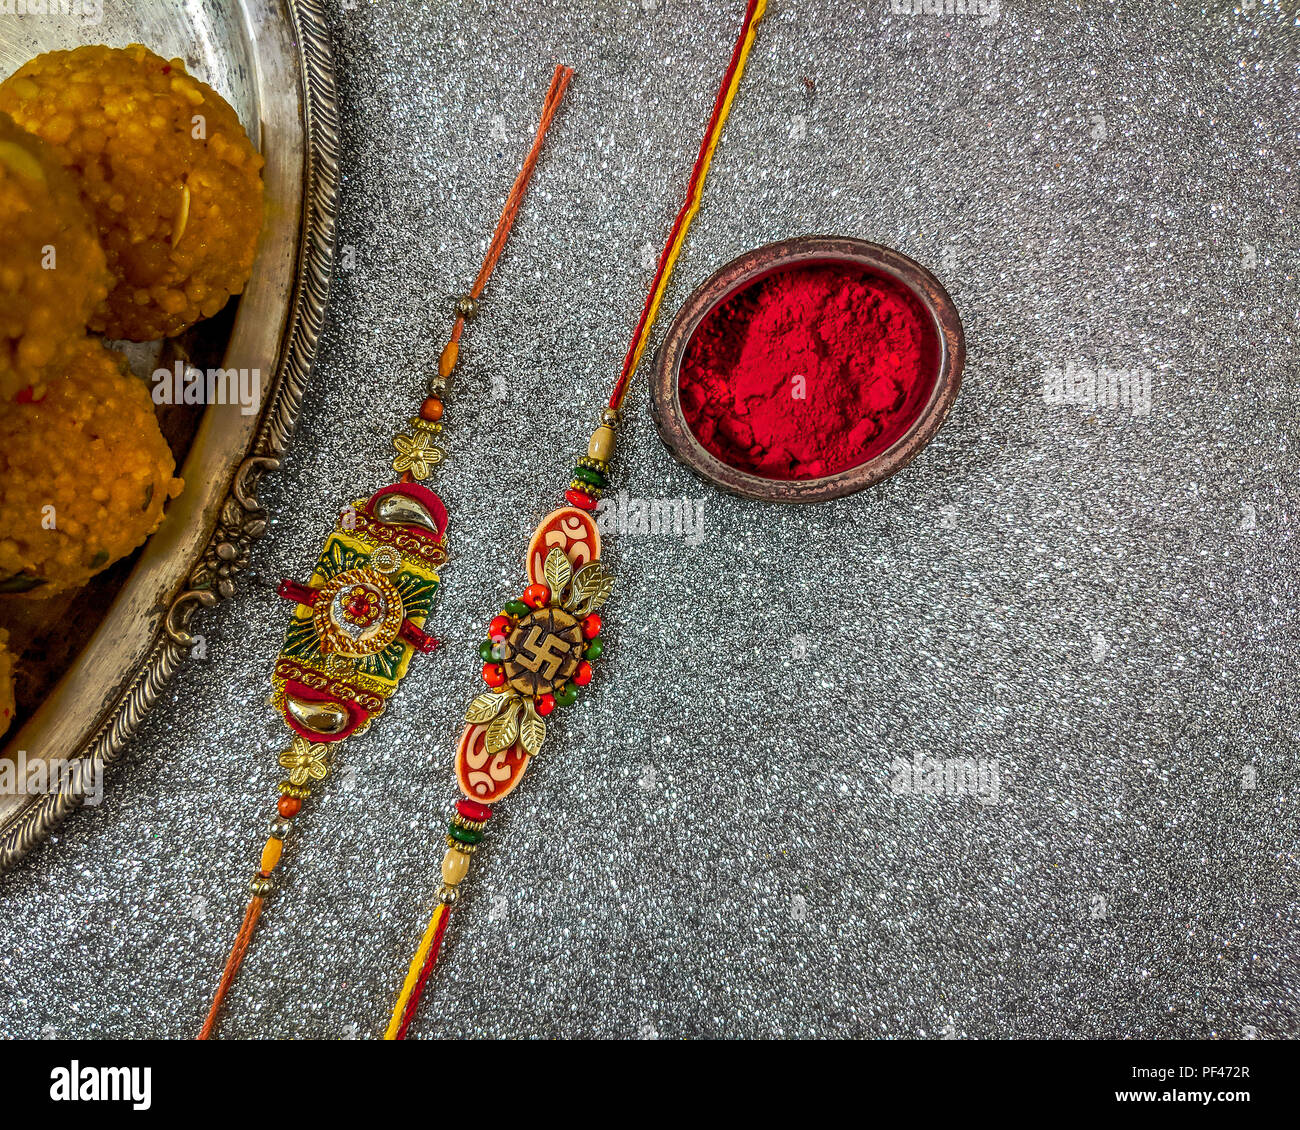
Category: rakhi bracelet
[541,647]
[359,620]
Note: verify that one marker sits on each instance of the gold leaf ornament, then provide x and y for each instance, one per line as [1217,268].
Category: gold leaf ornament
[590,589]
[306,761]
[558,570]
[486,707]
[532,729]
[504,729]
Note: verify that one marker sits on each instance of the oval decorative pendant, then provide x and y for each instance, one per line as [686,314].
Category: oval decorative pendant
[569,529]
[483,776]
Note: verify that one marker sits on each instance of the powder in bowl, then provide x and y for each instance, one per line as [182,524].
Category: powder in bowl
[809,370]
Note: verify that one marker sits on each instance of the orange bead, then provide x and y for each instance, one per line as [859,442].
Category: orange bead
[537,596]
[447,361]
[431,409]
[493,675]
[271,854]
[288,806]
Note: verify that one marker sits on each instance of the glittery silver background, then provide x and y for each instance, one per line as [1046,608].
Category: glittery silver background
[1097,604]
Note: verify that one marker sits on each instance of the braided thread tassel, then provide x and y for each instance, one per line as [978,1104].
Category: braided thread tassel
[233,962]
[464,834]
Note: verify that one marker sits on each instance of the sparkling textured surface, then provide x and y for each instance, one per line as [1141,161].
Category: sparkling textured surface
[1099,602]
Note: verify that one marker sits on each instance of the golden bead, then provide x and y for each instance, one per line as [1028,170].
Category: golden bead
[454,866]
[602,443]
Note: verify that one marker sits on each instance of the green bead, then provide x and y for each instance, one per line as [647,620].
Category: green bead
[517,608]
[566,695]
[594,650]
[595,478]
[465,835]
[485,652]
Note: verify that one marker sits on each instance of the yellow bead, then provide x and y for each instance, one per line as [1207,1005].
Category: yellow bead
[602,444]
[271,853]
[454,865]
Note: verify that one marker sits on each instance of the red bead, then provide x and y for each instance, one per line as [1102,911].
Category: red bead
[288,806]
[472,810]
[545,704]
[591,626]
[537,596]
[583,676]
[292,590]
[578,499]
[500,626]
[493,675]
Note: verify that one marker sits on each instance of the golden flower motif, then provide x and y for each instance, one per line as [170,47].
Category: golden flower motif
[305,761]
[417,454]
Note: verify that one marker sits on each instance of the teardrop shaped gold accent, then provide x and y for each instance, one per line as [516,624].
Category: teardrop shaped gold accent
[323,717]
[401,509]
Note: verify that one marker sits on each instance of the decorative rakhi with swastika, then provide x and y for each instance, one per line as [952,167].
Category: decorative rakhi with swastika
[540,649]
[358,620]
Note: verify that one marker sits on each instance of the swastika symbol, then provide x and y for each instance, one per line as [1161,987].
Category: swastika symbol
[540,650]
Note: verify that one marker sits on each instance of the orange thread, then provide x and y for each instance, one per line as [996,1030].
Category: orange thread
[559,83]
[242,939]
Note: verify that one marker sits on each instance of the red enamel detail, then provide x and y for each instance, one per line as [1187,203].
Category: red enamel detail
[472,810]
[417,638]
[298,593]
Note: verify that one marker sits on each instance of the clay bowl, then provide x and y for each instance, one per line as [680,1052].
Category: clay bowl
[859,256]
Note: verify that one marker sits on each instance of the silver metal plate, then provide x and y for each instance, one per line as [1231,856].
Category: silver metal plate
[271,60]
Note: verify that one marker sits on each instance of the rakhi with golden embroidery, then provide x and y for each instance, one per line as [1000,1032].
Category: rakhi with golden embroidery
[540,649]
[359,620]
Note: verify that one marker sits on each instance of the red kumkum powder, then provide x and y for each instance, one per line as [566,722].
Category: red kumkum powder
[808,371]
